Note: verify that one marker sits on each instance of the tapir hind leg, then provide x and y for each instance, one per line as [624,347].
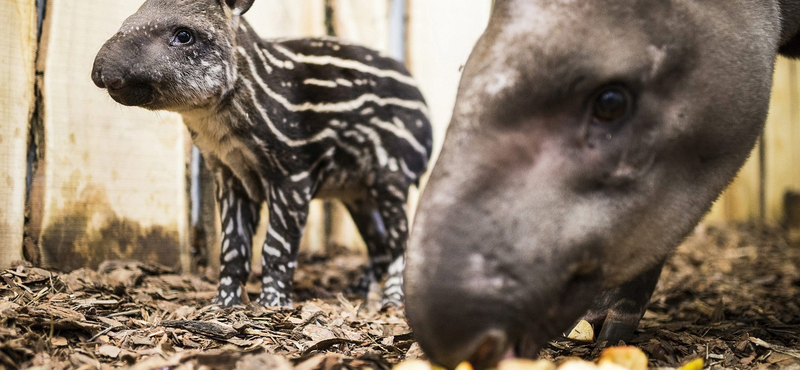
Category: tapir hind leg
[392,197]
[616,312]
[382,222]
[370,225]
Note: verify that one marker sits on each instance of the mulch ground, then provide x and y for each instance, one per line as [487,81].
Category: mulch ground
[728,295]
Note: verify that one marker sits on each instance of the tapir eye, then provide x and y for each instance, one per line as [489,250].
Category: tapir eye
[182,36]
[611,104]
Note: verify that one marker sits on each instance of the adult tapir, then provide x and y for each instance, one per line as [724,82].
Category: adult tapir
[588,139]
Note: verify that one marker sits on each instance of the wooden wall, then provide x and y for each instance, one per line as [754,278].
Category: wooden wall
[17,53]
[758,191]
[112,181]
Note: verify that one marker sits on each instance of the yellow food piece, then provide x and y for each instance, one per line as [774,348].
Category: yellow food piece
[627,357]
[582,332]
[525,364]
[696,364]
[413,365]
[612,358]
[577,364]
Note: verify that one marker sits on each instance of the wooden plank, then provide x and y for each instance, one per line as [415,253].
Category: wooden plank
[17,62]
[740,201]
[441,35]
[781,154]
[281,18]
[782,137]
[114,177]
[364,22]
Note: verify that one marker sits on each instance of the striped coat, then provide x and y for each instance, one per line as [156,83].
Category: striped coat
[282,122]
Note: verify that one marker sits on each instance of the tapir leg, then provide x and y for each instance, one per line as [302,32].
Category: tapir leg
[239,217]
[616,312]
[287,219]
[383,224]
[391,197]
[370,224]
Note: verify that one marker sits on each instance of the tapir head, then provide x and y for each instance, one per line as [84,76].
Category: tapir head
[172,54]
[588,139]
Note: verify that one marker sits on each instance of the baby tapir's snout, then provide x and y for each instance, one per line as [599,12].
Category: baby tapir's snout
[126,84]
[587,140]
[170,55]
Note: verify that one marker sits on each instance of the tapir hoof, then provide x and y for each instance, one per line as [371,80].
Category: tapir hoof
[615,313]
[614,331]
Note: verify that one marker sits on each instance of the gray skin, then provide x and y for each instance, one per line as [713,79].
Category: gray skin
[543,206]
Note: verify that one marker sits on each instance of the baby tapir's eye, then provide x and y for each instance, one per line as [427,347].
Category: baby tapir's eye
[182,36]
[611,104]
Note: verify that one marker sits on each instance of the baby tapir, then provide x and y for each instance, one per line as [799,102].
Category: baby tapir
[279,122]
[588,139]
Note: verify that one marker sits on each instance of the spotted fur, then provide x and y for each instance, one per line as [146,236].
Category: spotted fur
[281,122]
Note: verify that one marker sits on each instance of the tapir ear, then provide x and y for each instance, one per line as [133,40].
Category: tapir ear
[239,7]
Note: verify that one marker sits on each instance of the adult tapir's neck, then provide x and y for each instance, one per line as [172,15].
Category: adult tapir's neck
[790,27]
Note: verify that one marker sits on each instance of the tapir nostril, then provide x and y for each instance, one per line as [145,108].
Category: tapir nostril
[114,83]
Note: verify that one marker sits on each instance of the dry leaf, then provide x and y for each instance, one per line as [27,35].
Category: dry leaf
[59,341]
[109,351]
[318,333]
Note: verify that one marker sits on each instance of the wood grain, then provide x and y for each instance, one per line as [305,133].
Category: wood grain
[114,177]
[441,35]
[17,73]
[782,135]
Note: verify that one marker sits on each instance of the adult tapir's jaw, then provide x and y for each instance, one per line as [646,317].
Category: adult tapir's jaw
[543,196]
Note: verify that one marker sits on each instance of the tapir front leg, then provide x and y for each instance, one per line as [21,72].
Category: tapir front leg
[616,312]
[288,212]
[239,217]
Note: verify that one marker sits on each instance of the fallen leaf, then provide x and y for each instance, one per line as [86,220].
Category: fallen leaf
[59,341]
[109,351]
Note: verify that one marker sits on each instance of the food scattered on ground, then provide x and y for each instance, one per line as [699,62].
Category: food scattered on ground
[730,296]
[582,332]
[612,358]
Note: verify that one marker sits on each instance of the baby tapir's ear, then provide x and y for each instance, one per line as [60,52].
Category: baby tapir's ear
[238,7]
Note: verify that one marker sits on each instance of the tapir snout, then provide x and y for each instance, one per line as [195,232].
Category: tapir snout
[587,140]
[150,63]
